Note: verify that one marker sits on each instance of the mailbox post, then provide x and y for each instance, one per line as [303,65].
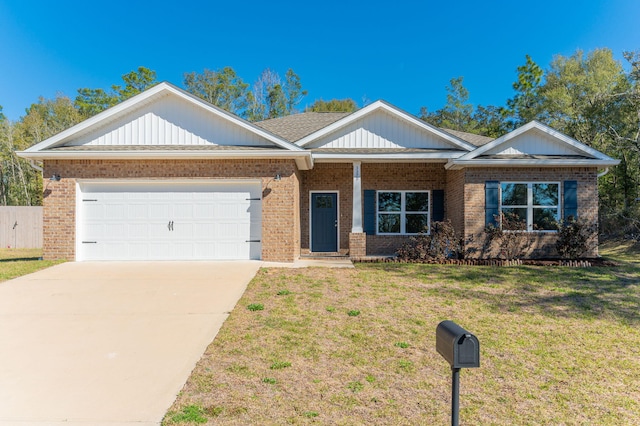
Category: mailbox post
[462,350]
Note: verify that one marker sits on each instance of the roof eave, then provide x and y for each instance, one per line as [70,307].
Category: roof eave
[389,158]
[302,158]
[457,164]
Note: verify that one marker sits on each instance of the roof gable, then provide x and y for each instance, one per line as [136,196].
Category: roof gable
[535,138]
[534,144]
[382,126]
[164,115]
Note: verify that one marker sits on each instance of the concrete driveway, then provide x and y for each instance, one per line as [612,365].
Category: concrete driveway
[109,342]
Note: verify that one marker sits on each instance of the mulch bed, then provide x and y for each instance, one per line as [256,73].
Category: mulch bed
[581,263]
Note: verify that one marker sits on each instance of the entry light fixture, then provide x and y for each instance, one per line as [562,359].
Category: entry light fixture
[277,178]
[54,178]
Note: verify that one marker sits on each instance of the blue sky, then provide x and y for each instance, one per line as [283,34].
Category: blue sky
[404,52]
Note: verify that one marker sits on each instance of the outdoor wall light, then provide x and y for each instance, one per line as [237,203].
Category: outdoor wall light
[55,178]
[277,178]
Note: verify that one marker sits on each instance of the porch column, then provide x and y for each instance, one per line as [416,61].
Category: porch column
[357,237]
[356,222]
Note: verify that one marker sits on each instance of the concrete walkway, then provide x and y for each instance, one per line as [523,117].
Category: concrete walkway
[109,343]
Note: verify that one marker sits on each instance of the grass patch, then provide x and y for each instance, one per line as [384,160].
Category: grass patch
[353,313]
[558,346]
[255,307]
[15,263]
[188,414]
[279,365]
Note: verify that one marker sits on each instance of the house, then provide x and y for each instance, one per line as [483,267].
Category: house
[165,175]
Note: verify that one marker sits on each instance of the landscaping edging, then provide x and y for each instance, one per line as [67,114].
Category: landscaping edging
[581,263]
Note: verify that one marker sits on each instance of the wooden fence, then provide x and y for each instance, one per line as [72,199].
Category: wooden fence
[20,227]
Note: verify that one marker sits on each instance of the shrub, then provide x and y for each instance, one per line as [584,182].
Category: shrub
[575,238]
[439,244]
[510,236]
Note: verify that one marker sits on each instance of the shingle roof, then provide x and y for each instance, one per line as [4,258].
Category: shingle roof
[297,126]
[472,138]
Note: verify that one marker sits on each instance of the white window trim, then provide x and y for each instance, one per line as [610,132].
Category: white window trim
[403,212]
[529,206]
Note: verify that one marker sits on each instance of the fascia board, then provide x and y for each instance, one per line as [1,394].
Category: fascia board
[441,157]
[155,91]
[379,104]
[544,128]
[98,118]
[159,154]
[571,141]
[496,142]
[460,163]
[338,124]
[234,118]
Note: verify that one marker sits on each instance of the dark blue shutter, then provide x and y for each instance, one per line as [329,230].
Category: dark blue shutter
[438,205]
[369,218]
[570,199]
[491,202]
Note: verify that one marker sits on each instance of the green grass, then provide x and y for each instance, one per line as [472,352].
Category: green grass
[17,262]
[558,345]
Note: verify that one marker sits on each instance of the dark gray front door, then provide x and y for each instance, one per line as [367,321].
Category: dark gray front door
[324,222]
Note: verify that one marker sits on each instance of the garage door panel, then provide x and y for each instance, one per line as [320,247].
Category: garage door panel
[166,221]
[182,211]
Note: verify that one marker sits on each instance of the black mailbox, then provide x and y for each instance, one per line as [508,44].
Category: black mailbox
[459,347]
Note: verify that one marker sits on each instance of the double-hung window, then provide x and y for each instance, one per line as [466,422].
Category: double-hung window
[402,212]
[535,205]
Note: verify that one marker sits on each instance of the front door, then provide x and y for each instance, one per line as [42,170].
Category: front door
[324,222]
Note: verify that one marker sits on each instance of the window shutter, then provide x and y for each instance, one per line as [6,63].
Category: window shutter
[570,199]
[491,202]
[369,218]
[438,205]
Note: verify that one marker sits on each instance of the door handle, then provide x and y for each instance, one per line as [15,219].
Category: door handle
[170,225]
[335,224]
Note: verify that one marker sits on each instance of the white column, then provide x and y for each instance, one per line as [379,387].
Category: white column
[356,223]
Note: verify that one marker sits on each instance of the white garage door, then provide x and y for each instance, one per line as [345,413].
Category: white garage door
[169,221]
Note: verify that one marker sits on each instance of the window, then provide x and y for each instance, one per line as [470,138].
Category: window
[402,212]
[534,205]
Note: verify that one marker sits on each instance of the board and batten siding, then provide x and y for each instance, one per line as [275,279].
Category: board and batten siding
[533,143]
[381,130]
[171,121]
[20,227]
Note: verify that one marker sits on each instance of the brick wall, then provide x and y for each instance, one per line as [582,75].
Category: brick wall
[280,206]
[543,243]
[454,199]
[399,177]
[328,177]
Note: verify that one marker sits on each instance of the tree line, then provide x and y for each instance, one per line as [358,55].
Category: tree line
[591,97]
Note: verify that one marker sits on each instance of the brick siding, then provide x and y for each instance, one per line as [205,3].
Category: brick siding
[336,177]
[280,206]
[543,244]
[399,177]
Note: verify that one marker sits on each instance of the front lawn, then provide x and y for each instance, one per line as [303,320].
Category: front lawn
[352,347]
[17,262]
